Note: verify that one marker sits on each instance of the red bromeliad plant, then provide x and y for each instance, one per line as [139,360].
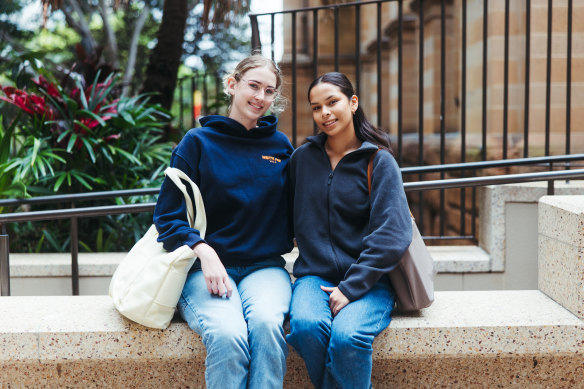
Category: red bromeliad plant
[63,131]
[29,103]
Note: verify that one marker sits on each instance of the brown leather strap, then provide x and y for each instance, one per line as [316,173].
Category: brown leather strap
[370,171]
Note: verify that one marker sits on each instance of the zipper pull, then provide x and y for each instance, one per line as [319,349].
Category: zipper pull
[330,178]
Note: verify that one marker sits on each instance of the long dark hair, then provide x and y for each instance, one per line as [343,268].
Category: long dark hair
[364,130]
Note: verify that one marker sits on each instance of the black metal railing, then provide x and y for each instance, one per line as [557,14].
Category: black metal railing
[390,33]
[72,214]
[75,213]
[393,28]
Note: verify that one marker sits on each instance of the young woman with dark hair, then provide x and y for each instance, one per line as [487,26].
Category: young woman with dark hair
[349,237]
[237,294]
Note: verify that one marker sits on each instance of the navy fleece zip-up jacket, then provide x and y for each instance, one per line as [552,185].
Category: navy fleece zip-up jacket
[243,178]
[344,234]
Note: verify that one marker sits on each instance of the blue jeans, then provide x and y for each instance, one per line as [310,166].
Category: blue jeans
[337,351]
[243,334]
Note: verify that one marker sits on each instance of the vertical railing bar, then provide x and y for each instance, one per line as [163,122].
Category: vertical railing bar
[315,54]
[506,82]
[180,104]
[315,43]
[358,49]
[551,183]
[527,77]
[336,39]
[548,85]
[304,30]
[484,91]
[463,121]
[193,100]
[256,44]
[421,112]
[273,35]
[379,74]
[294,130]
[569,81]
[400,82]
[205,94]
[442,107]
[473,228]
[4,262]
[217,93]
[74,255]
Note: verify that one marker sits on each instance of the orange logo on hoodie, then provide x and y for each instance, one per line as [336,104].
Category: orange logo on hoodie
[271,159]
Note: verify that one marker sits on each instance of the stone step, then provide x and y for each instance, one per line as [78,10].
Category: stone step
[452,259]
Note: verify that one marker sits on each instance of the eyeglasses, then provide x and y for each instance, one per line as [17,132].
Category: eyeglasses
[255,87]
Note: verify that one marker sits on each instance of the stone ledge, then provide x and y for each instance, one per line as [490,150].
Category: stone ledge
[561,250]
[69,337]
[493,199]
[460,259]
[449,259]
[59,264]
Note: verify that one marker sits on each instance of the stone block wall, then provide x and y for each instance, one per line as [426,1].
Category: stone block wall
[453,60]
[561,251]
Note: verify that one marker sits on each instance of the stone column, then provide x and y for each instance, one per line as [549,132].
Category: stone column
[561,251]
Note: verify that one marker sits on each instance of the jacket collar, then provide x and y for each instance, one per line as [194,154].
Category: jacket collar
[320,139]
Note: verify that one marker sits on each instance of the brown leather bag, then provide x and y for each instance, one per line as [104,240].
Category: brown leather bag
[413,278]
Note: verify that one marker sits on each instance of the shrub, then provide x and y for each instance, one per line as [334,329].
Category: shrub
[81,138]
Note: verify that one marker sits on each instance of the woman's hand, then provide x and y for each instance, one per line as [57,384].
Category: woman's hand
[337,300]
[215,274]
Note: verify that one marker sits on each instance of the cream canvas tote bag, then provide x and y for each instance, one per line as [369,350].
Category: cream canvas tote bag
[148,282]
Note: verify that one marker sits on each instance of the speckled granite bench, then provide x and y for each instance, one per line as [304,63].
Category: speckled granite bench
[471,339]
[465,339]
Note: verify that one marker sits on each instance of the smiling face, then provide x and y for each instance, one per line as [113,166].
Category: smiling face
[251,96]
[332,110]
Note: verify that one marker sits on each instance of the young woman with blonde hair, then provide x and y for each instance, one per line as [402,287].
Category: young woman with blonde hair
[237,294]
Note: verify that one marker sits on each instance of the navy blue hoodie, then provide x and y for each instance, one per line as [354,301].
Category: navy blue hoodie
[345,235]
[243,178]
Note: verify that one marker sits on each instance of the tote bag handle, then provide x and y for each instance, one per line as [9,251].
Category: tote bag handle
[198,219]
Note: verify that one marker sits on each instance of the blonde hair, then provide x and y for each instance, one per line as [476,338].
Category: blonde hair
[258,61]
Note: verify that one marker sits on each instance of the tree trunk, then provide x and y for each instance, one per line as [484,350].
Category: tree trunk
[127,80]
[112,44]
[82,27]
[162,70]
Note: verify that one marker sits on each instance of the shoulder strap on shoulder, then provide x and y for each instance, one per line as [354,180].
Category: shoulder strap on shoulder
[370,170]
[195,212]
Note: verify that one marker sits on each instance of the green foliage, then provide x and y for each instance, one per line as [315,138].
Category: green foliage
[10,186]
[62,130]
[71,138]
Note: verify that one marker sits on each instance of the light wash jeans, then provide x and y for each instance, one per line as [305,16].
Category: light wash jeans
[337,351]
[243,334]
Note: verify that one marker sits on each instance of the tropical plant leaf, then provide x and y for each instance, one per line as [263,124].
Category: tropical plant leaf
[94,116]
[85,246]
[82,178]
[39,244]
[60,180]
[63,135]
[71,142]
[89,149]
[35,150]
[52,241]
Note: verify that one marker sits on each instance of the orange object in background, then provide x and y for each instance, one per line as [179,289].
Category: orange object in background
[197,104]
